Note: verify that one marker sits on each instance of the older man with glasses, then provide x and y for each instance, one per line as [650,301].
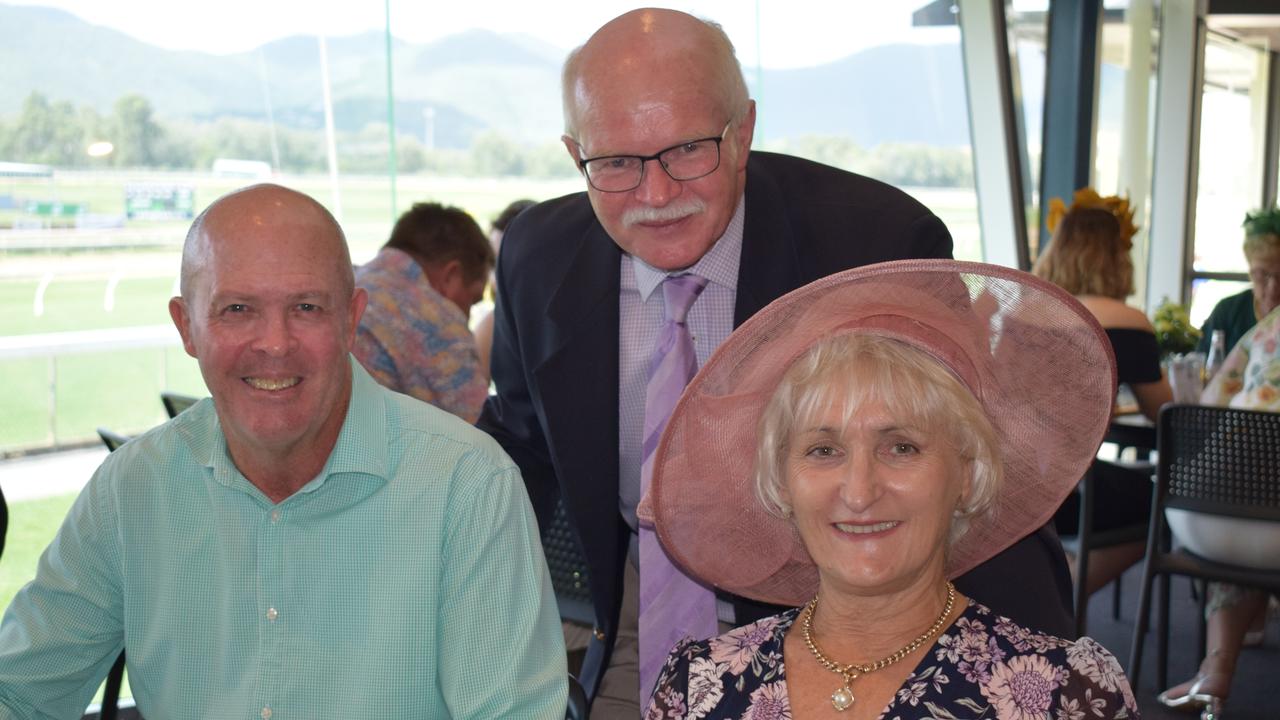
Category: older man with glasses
[610,299]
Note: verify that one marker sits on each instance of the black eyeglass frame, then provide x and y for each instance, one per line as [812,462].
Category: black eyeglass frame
[644,160]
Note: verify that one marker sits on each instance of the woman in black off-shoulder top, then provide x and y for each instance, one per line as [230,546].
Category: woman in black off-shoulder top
[1089,257]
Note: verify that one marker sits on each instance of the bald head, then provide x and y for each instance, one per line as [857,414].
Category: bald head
[252,210]
[645,53]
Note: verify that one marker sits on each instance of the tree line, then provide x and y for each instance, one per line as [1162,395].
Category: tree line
[57,133]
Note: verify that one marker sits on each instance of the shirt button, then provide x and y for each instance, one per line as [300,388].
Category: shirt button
[275,516]
[272,615]
[266,713]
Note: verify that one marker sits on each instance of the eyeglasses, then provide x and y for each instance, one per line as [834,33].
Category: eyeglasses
[689,160]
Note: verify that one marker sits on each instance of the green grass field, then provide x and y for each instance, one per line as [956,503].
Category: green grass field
[32,525]
[60,401]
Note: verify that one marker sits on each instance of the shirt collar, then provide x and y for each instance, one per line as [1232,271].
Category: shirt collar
[719,265]
[360,448]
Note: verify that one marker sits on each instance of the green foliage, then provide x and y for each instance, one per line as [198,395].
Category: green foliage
[1263,222]
[494,155]
[1174,331]
[135,134]
[46,132]
[836,151]
[58,134]
[911,165]
[920,165]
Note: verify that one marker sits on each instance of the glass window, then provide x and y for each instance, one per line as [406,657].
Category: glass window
[1126,116]
[1028,26]
[1232,127]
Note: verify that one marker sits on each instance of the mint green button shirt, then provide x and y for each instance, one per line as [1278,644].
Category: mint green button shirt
[405,581]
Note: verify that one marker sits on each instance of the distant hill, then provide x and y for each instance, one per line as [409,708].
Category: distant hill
[462,84]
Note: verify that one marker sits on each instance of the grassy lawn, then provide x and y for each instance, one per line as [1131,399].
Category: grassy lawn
[117,288]
[32,525]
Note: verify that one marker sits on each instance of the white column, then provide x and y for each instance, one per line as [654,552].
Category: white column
[1176,148]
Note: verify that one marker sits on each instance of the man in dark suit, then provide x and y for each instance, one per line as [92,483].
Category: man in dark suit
[657,117]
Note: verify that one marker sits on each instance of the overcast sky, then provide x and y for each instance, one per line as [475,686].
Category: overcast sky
[791,37]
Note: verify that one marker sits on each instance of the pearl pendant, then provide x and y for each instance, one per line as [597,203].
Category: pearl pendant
[842,698]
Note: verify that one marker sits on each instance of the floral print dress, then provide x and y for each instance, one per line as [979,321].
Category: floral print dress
[1250,376]
[983,666]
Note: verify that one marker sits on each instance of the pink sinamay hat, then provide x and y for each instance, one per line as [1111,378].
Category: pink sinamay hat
[1036,360]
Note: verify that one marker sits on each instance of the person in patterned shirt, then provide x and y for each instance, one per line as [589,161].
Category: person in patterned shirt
[414,337]
[903,437]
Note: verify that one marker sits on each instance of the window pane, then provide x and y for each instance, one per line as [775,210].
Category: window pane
[1231,148]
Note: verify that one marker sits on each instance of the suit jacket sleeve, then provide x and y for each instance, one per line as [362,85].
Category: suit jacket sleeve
[511,416]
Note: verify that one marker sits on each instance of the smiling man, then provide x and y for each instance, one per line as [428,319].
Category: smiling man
[610,298]
[308,543]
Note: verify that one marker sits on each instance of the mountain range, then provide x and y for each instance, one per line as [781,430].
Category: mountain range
[454,87]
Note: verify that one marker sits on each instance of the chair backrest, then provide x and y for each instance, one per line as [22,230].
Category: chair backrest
[112,439]
[175,403]
[1220,461]
[568,569]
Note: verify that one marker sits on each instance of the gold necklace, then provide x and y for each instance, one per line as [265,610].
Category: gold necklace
[842,699]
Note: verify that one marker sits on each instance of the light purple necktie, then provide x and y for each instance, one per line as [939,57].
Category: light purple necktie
[671,604]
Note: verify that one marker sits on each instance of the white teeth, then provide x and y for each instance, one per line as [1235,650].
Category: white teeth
[268,384]
[866,529]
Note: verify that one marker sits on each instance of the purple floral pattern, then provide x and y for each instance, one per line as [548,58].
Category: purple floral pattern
[984,665]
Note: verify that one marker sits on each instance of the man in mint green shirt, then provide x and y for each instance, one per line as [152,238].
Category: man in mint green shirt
[307,544]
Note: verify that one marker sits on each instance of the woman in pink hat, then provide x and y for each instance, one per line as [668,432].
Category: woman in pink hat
[847,451]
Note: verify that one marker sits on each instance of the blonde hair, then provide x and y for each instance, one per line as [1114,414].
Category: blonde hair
[1088,255]
[873,368]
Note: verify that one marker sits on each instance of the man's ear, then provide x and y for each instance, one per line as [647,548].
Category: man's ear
[445,277]
[359,300]
[575,150]
[745,132]
[182,320]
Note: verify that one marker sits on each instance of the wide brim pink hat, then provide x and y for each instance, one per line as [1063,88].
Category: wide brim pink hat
[1035,358]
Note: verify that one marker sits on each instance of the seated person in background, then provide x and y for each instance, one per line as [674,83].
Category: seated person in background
[1249,379]
[850,448]
[1088,256]
[484,328]
[1236,314]
[306,543]
[414,337]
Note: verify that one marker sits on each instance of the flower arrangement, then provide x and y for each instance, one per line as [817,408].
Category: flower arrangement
[1262,222]
[1174,332]
[1089,198]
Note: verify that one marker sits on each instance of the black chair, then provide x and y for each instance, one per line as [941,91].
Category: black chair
[577,709]
[110,707]
[175,403]
[1216,461]
[4,521]
[1087,539]
[569,578]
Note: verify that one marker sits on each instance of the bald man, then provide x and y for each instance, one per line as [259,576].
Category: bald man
[658,119]
[305,544]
